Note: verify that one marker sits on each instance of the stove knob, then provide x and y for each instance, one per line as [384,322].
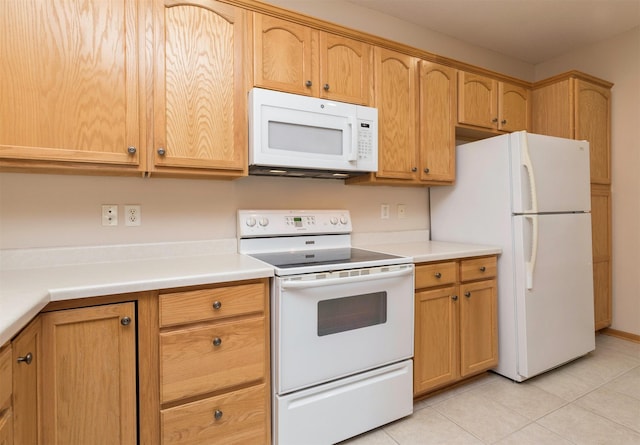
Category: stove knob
[333,220]
[251,221]
[264,222]
[343,219]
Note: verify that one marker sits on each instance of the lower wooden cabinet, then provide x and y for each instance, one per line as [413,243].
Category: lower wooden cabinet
[89,375]
[601,245]
[6,391]
[455,322]
[214,365]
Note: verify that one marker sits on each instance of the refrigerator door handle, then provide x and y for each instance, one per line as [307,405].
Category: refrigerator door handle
[526,163]
[531,264]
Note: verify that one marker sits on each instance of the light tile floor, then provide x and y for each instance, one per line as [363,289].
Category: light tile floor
[592,400]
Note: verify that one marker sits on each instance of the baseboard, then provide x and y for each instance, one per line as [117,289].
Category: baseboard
[621,334]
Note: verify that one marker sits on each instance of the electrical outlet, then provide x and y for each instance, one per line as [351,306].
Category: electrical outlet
[402,211]
[132,216]
[384,211]
[109,215]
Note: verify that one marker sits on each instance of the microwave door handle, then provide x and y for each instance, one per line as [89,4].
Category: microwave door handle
[353,154]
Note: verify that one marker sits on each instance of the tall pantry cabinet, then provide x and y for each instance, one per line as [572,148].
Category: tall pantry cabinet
[578,106]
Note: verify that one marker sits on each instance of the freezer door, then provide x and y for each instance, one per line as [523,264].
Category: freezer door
[553,290]
[549,174]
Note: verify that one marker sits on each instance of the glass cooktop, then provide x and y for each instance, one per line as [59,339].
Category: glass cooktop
[340,256]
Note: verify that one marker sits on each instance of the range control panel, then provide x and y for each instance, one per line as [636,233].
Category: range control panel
[263,223]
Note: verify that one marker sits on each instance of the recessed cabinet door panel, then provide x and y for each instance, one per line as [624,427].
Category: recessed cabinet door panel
[397,101]
[514,107]
[345,72]
[477,100]
[200,96]
[70,84]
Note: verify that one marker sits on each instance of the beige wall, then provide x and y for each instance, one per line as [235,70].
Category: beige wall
[618,60]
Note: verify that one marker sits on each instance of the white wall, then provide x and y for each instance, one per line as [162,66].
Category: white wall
[60,210]
[618,60]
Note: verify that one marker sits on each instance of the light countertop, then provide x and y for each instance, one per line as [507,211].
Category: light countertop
[27,285]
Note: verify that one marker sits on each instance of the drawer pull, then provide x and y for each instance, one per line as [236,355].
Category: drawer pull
[217,414]
[26,359]
[467,294]
[438,275]
[482,269]
[217,305]
[217,341]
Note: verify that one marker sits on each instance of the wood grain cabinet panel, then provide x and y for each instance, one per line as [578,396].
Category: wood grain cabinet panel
[199,98]
[6,390]
[456,322]
[601,245]
[70,84]
[89,379]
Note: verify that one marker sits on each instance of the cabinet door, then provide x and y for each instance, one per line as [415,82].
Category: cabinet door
[27,353]
[200,97]
[70,81]
[345,73]
[477,100]
[436,339]
[514,107]
[284,56]
[601,243]
[437,122]
[6,382]
[396,97]
[478,327]
[552,110]
[593,123]
[89,375]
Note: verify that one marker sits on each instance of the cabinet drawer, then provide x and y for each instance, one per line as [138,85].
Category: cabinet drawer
[478,269]
[242,418]
[192,363]
[211,304]
[429,275]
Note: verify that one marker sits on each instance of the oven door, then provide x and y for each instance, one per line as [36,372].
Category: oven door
[327,326]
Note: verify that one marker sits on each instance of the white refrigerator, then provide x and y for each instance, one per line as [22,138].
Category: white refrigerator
[529,194]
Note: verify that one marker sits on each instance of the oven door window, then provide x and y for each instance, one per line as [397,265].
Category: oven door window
[353,312]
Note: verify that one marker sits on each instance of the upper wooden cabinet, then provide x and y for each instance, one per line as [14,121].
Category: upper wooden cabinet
[199,96]
[71,78]
[299,59]
[437,85]
[488,103]
[577,106]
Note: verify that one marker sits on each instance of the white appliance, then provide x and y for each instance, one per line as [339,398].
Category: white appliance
[294,135]
[530,195]
[341,326]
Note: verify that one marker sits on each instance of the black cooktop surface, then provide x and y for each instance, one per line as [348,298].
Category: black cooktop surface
[344,256]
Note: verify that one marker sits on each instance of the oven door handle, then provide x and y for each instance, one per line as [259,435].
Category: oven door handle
[303,284]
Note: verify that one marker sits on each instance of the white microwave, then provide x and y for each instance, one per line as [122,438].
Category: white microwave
[294,135]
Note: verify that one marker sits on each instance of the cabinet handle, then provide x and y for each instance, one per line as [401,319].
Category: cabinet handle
[217,341]
[326,87]
[414,169]
[308,83]
[217,305]
[454,297]
[26,359]
[426,170]
[132,150]
[504,121]
[217,414]
[494,120]
[162,151]
[482,268]
[438,275]
[467,294]
[126,321]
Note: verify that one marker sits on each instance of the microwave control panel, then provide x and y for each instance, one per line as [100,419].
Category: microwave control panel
[365,140]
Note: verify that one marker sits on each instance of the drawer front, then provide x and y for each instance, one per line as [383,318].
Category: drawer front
[242,418]
[478,268]
[211,304]
[203,359]
[429,275]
